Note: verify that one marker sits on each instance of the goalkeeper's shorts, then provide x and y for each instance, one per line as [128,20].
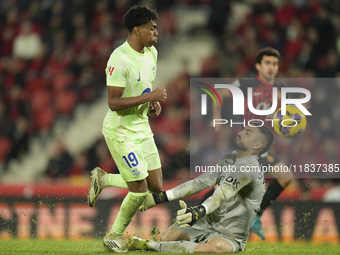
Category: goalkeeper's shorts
[134,158]
[202,232]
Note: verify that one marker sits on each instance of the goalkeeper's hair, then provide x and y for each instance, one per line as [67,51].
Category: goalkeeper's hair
[268,51]
[138,15]
[267,133]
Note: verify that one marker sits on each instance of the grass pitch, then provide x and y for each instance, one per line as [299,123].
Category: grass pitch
[95,246]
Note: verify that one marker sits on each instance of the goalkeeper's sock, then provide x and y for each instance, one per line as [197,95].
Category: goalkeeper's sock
[127,210]
[176,246]
[273,191]
[116,180]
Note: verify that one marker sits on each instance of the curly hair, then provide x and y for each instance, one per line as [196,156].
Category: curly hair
[138,15]
[268,51]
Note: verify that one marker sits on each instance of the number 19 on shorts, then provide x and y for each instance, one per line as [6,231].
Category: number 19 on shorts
[131,160]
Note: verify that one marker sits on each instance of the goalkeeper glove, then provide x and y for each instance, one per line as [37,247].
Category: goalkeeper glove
[153,199]
[188,216]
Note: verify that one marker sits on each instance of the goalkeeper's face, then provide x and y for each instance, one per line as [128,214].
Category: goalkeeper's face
[249,140]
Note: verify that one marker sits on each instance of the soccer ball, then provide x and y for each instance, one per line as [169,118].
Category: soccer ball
[290,125]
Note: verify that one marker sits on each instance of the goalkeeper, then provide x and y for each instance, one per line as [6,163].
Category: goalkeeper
[222,222]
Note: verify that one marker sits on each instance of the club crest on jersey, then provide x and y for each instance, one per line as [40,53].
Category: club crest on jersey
[154,70]
[111,70]
[135,172]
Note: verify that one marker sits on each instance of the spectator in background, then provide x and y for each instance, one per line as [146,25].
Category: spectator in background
[6,124]
[6,43]
[218,17]
[20,139]
[27,44]
[60,161]
[79,165]
[306,26]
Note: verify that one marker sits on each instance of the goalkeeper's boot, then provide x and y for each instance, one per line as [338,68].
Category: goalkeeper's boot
[136,243]
[96,185]
[256,227]
[115,242]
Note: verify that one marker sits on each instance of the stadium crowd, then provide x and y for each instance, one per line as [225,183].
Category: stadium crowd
[53,54]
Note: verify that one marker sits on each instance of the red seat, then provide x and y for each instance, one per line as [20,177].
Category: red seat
[65,102]
[43,119]
[40,100]
[5,146]
[61,81]
[35,84]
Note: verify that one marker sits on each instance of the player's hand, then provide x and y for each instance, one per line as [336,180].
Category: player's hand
[153,199]
[154,109]
[159,94]
[188,216]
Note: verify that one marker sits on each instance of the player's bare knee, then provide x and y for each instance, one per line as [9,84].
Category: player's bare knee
[211,248]
[166,238]
[168,235]
[173,234]
[215,249]
[222,247]
[138,186]
[217,245]
[156,187]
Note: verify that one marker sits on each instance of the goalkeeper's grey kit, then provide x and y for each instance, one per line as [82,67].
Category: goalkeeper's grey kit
[233,206]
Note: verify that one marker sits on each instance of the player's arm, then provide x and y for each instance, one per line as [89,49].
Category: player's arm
[188,215]
[117,102]
[183,190]
[117,73]
[224,191]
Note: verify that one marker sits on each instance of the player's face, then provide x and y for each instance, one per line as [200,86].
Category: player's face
[149,34]
[247,139]
[268,68]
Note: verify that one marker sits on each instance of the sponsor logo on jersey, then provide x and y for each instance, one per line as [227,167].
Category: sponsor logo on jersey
[138,76]
[147,90]
[111,70]
[154,70]
[135,172]
[233,181]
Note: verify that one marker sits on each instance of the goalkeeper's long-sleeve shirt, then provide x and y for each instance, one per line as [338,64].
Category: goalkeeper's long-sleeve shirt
[233,206]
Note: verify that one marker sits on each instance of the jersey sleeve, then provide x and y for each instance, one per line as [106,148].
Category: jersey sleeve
[227,188]
[229,184]
[154,53]
[192,187]
[116,70]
